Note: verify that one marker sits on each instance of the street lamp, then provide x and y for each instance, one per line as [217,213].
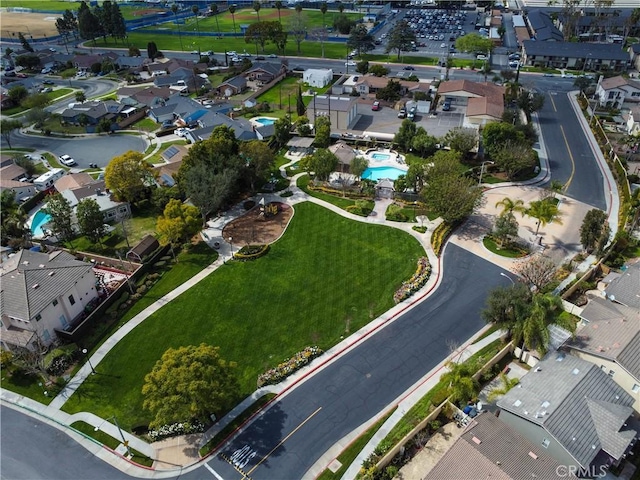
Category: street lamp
[502,274]
[482,169]
[231,243]
[125,442]
[93,370]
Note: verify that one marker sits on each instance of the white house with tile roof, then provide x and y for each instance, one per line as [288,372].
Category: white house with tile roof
[41,292]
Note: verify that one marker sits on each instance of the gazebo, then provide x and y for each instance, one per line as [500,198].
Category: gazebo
[300,145]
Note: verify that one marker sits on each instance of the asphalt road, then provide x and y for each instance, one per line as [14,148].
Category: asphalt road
[86,150]
[288,439]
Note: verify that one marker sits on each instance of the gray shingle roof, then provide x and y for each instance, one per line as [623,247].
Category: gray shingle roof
[596,51]
[268,67]
[489,448]
[238,82]
[629,358]
[626,288]
[568,397]
[543,26]
[610,330]
[19,295]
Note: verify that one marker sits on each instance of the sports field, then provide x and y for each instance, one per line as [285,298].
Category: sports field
[36,25]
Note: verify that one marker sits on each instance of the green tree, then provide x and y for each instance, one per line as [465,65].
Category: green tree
[25,43]
[582,83]
[37,116]
[506,226]
[18,93]
[530,102]
[178,223]
[594,231]
[323,132]
[461,386]
[298,27]
[36,100]
[282,132]
[506,385]
[90,219]
[279,6]
[88,24]
[360,39]
[129,176]
[189,383]
[400,38]
[507,306]
[391,92]
[378,70]
[358,166]
[29,61]
[104,125]
[485,70]
[424,144]
[461,140]
[28,165]
[61,214]
[12,221]
[514,157]
[213,8]
[232,11]
[300,106]
[258,33]
[195,10]
[322,162]
[257,6]
[510,206]
[258,158]
[80,96]
[496,134]
[152,50]
[174,9]
[545,212]
[7,127]
[343,24]
[362,67]
[406,132]
[323,10]
[474,43]
[67,24]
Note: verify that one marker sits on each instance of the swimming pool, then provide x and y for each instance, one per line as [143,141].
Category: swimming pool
[40,219]
[380,156]
[265,121]
[377,173]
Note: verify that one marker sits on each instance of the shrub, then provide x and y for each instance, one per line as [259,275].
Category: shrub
[175,429]
[416,282]
[439,237]
[288,366]
[251,252]
[141,289]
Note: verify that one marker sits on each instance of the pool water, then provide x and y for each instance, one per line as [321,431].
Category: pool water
[40,219]
[265,121]
[377,173]
[380,156]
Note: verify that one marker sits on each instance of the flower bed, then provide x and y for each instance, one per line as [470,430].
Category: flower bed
[416,282]
[251,252]
[439,237]
[289,366]
[174,429]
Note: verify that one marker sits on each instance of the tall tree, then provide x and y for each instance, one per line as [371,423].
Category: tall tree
[12,221]
[594,231]
[257,6]
[119,27]
[258,33]
[88,24]
[461,386]
[474,43]
[323,10]
[507,306]
[537,271]
[513,157]
[461,140]
[282,130]
[90,219]
[61,213]
[323,132]
[67,24]
[510,206]
[207,189]
[258,158]
[322,162]
[424,144]
[358,166]
[7,127]
[232,11]
[25,42]
[174,9]
[279,6]
[545,212]
[298,26]
[506,227]
[189,383]
[152,50]
[178,223]
[195,10]
[360,39]
[213,8]
[128,176]
[400,38]
[300,106]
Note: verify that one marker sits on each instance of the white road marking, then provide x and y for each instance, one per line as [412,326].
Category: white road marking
[213,472]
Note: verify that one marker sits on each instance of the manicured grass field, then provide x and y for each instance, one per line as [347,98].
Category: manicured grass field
[140,38]
[40,4]
[247,16]
[53,95]
[325,272]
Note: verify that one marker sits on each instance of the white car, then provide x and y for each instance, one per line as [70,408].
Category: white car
[350,63]
[273,55]
[182,132]
[66,160]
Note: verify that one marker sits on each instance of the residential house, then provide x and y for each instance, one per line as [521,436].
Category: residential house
[609,337]
[542,28]
[112,210]
[575,411]
[169,66]
[166,173]
[622,287]
[341,111]
[147,96]
[232,86]
[485,101]
[596,57]
[73,181]
[489,448]
[264,72]
[634,54]
[14,178]
[84,62]
[242,129]
[370,84]
[345,155]
[42,292]
[632,120]
[182,80]
[133,64]
[91,113]
[614,91]
[317,77]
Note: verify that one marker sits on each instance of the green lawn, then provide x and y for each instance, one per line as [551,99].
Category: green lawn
[140,38]
[340,202]
[246,16]
[53,95]
[53,124]
[508,251]
[325,272]
[41,4]
[144,124]
[156,158]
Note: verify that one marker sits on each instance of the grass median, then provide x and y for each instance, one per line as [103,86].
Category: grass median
[326,277]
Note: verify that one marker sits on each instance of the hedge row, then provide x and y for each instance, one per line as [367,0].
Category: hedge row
[439,237]
[251,252]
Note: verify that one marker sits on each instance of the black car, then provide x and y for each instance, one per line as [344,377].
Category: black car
[298,69]
[47,82]
[409,67]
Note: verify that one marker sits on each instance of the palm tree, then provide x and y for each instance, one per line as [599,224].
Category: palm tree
[507,306]
[195,11]
[340,7]
[507,384]
[257,6]
[298,9]
[461,385]
[174,9]
[533,332]
[485,70]
[279,6]
[555,187]
[232,11]
[545,211]
[214,12]
[509,206]
[323,10]
[449,65]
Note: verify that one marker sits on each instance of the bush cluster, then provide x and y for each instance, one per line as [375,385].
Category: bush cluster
[439,237]
[289,366]
[416,282]
[251,252]
[174,429]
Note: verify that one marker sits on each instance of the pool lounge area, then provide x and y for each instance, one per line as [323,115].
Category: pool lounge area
[262,121]
[37,224]
[384,163]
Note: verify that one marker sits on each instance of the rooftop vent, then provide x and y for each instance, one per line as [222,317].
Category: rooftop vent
[575,371]
[560,357]
[476,440]
[517,403]
[35,286]
[533,455]
[537,369]
[545,404]
[41,265]
[51,274]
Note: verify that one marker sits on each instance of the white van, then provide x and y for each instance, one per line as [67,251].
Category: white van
[46,180]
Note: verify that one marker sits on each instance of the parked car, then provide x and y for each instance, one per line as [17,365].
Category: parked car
[412,113]
[66,160]
[45,71]
[168,124]
[402,113]
[48,82]
[514,64]
[208,53]
[376,106]
[409,67]
[350,63]
[260,58]
[182,132]
[46,90]
[273,55]
[446,106]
